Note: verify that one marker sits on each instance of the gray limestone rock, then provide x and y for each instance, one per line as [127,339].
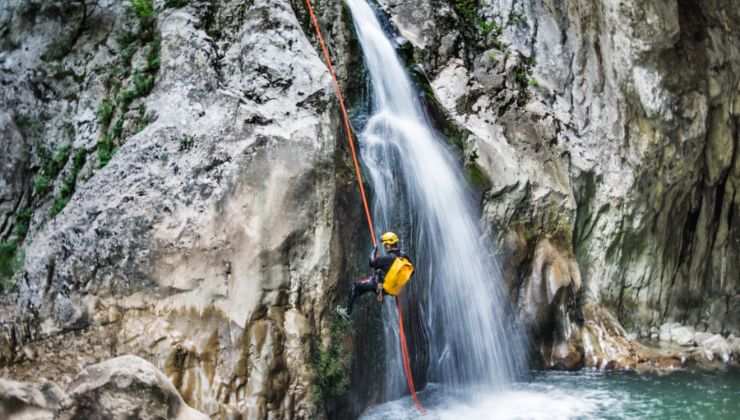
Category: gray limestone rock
[215,219]
[602,137]
[718,346]
[25,401]
[683,336]
[607,127]
[123,388]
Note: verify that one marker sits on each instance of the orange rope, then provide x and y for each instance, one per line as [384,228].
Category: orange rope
[363,195]
[406,361]
[345,118]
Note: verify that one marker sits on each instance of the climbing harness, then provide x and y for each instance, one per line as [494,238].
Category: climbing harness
[363,196]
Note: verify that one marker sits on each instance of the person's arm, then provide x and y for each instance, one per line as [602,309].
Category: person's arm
[373,257]
[383,262]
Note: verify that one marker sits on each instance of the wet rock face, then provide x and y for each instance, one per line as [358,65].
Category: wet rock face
[611,129]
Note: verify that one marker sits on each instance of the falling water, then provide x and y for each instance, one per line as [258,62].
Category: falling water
[419,189]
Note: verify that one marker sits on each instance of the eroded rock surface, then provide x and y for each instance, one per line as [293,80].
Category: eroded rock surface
[126,387]
[609,130]
[26,401]
[192,183]
[177,189]
[123,388]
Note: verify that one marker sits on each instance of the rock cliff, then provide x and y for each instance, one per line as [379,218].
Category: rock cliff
[174,184]
[605,139]
[173,190]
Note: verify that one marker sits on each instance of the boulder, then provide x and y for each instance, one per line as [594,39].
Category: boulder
[717,346]
[27,401]
[126,387]
[683,336]
[700,337]
[734,343]
[665,330]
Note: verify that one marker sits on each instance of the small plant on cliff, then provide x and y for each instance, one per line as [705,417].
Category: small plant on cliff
[332,363]
[490,26]
[105,112]
[9,263]
[23,222]
[467,9]
[144,8]
[50,168]
[152,59]
[69,184]
[105,150]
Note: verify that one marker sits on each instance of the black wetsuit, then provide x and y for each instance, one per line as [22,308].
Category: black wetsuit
[381,265]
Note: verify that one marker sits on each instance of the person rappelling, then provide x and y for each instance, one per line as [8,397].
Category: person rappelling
[391,273]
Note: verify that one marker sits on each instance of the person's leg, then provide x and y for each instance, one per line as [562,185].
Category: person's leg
[360,287]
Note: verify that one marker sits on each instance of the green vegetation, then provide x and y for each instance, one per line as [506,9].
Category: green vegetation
[50,168]
[126,84]
[144,8]
[332,363]
[491,32]
[105,150]
[466,9]
[10,260]
[475,174]
[23,222]
[152,59]
[69,183]
[523,78]
[487,27]
[11,254]
[105,112]
[29,126]
[143,84]
[41,184]
[142,119]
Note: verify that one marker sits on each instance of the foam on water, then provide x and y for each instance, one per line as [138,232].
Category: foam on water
[525,401]
[581,396]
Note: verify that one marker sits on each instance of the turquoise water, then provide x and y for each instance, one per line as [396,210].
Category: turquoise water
[582,395]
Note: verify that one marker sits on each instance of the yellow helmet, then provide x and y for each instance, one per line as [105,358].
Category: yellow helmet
[389,238]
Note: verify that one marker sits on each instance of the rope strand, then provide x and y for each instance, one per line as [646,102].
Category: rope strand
[345,118]
[363,195]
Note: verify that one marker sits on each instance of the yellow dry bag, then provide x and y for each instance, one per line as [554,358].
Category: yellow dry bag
[398,275]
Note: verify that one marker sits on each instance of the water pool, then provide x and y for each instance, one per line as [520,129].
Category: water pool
[582,395]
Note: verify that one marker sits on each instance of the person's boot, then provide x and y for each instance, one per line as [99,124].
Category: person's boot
[343,312]
[352,297]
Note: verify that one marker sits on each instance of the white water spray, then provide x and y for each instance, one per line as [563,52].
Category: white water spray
[419,189]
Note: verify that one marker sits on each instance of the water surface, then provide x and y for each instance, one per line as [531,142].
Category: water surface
[582,395]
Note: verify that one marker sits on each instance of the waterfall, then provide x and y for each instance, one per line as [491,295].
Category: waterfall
[419,190]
